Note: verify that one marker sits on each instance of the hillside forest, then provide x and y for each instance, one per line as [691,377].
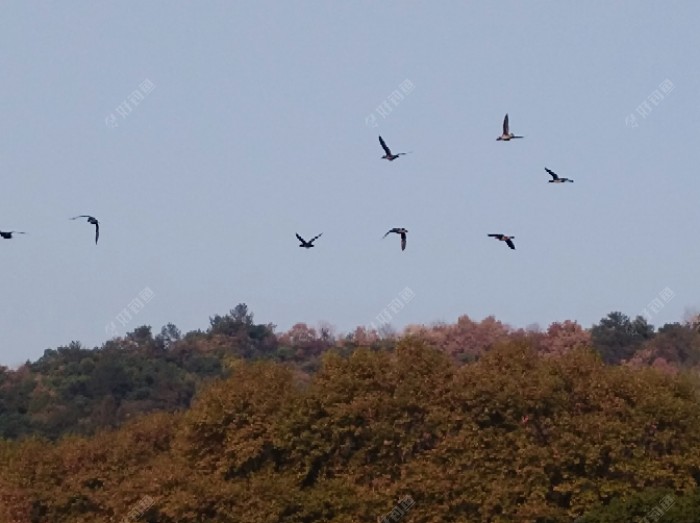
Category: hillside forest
[473,421]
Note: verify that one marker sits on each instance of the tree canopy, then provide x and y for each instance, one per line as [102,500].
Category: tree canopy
[474,421]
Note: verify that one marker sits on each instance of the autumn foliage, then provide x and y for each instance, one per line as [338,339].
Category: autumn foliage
[474,421]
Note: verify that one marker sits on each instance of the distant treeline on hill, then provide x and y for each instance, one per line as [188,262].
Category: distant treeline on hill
[474,422]
[75,390]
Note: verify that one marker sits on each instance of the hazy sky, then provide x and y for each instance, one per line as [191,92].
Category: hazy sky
[258,125]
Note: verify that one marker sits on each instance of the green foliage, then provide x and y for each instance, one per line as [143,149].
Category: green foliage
[617,338]
[74,390]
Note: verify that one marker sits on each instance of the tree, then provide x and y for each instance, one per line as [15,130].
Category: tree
[563,337]
[617,338]
[169,334]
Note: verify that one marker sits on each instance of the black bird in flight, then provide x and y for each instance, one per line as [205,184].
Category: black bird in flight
[308,244]
[556,178]
[388,155]
[8,235]
[92,220]
[402,232]
[507,135]
[504,238]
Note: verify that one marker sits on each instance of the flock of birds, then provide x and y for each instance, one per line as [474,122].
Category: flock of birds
[402,232]
[90,219]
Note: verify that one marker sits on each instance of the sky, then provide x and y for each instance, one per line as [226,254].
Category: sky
[252,121]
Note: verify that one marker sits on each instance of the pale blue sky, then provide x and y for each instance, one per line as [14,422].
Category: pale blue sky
[256,129]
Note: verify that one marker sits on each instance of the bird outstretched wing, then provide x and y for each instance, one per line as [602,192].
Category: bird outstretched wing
[384,146]
[552,174]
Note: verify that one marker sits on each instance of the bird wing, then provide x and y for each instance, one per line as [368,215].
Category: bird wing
[510,244]
[403,241]
[552,174]
[383,144]
[97,232]
[81,216]
[499,236]
[506,127]
[388,232]
[300,238]
[315,238]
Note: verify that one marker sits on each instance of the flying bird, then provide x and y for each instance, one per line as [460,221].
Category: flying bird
[92,220]
[504,238]
[388,155]
[556,178]
[8,235]
[402,232]
[507,135]
[308,244]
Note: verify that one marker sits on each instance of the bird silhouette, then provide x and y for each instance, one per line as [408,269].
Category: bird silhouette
[504,238]
[388,155]
[507,135]
[402,232]
[8,235]
[556,178]
[92,220]
[308,244]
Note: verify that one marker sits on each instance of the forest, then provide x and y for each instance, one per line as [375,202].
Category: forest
[473,421]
